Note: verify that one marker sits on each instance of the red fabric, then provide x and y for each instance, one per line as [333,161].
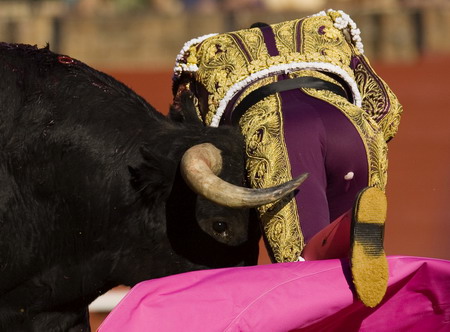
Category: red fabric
[333,241]
[302,296]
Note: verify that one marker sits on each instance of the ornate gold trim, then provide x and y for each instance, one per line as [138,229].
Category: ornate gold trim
[268,165]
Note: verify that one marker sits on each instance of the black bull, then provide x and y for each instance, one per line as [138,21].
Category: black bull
[91,194]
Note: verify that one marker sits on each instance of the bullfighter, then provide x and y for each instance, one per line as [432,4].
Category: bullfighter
[306,99]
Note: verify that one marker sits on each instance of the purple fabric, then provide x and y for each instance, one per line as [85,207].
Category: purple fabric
[322,142]
[269,40]
[298,36]
[301,296]
[242,47]
[354,62]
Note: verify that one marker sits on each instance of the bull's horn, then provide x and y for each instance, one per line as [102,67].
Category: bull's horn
[200,166]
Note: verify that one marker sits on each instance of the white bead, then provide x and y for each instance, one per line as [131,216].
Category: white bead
[349,176]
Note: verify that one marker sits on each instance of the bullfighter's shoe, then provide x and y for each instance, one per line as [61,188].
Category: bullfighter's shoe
[369,265]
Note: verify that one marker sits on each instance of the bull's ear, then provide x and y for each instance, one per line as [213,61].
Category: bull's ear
[153,178]
[184,108]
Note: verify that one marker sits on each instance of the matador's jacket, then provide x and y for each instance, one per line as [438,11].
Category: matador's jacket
[335,130]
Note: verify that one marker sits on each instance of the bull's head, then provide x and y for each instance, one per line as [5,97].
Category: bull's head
[215,171]
[201,167]
[193,177]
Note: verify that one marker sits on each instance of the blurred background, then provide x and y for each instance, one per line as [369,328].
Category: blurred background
[407,41]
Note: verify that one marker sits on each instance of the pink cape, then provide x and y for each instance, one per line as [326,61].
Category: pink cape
[303,296]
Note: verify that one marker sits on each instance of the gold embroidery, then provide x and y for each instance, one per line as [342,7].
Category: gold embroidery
[377,98]
[229,58]
[268,165]
[222,62]
[285,37]
[253,42]
[322,42]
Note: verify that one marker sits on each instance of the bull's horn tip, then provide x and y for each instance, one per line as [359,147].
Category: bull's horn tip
[301,178]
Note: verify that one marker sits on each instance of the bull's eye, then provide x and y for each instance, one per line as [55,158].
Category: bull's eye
[220,226]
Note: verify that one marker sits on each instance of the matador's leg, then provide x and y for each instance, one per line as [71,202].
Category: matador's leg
[358,233]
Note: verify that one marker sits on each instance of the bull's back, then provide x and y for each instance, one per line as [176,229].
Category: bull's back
[67,134]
